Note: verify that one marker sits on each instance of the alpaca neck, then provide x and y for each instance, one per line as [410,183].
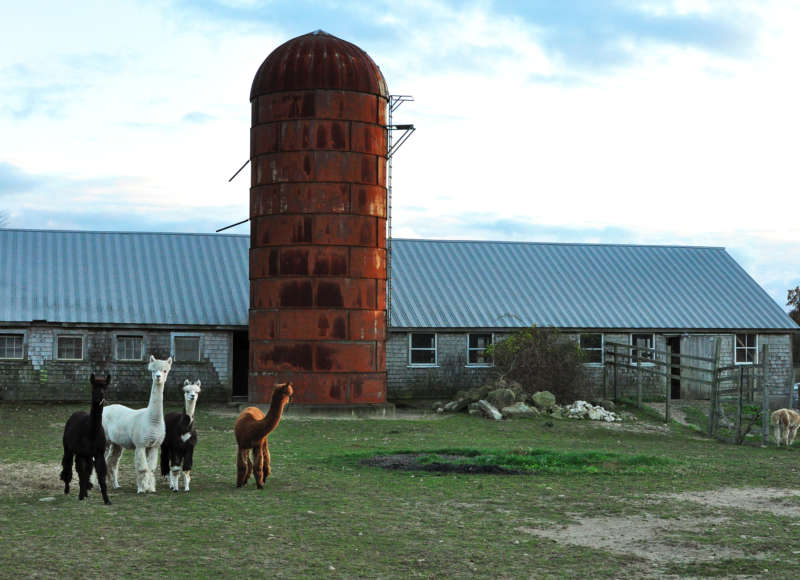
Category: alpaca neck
[155,407]
[274,414]
[189,409]
[96,415]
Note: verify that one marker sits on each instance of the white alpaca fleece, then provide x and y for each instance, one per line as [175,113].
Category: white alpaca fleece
[140,429]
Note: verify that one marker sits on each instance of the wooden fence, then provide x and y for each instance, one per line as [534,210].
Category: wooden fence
[735,389]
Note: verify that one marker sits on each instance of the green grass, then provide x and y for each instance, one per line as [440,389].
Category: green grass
[322,513]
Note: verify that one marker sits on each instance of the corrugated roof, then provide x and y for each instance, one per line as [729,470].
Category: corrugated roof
[468,284]
[203,279]
[124,277]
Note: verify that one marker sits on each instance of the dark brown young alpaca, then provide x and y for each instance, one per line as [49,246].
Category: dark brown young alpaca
[251,430]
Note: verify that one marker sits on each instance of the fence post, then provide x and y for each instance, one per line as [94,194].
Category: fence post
[764,395]
[616,394]
[712,415]
[668,385]
[638,379]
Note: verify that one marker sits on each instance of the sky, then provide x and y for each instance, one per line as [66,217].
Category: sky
[585,121]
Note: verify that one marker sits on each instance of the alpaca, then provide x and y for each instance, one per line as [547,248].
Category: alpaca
[178,446]
[785,423]
[251,430]
[84,439]
[140,429]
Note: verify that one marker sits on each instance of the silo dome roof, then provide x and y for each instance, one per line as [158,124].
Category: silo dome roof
[318,60]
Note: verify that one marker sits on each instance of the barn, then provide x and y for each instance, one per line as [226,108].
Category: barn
[77,302]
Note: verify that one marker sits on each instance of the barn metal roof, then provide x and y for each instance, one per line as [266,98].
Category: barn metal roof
[203,279]
[468,284]
[123,277]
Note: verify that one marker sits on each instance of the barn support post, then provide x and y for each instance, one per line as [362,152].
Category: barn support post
[616,393]
[668,385]
[638,379]
[713,411]
[762,383]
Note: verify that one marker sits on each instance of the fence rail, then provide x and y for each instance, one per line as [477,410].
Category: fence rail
[737,389]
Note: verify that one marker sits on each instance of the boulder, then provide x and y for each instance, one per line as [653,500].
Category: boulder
[489,410]
[519,410]
[474,409]
[544,400]
[456,406]
[501,397]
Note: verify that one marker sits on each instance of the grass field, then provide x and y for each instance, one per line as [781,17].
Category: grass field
[640,500]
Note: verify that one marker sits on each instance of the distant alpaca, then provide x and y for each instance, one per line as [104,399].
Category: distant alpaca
[251,430]
[785,423]
[84,439]
[178,446]
[140,429]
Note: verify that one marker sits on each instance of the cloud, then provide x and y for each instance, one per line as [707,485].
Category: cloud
[14,180]
[197,117]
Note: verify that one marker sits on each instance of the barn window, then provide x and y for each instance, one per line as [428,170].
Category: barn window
[642,350]
[11,346]
[592,347]
[69,347]
[746,349]
[422,349]
[186,347]
[476,349]
[130,347]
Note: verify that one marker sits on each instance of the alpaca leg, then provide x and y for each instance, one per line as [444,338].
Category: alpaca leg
[66,469]
[187,477]
[113,455]
[267,465]
[100,470]
[140,465]
[152,463]
[244,467]
[164,462]
[792,433]
[83,465]
[258,466]
[174,476]
[188,459]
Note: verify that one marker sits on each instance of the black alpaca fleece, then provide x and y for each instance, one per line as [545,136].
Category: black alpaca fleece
[85,440]
[175,450]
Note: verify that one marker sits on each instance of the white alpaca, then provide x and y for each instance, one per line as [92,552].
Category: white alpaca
[140,429]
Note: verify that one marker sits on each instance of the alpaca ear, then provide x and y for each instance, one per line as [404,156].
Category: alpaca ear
[198,382]
[152,358]
[186,382]
[169,362]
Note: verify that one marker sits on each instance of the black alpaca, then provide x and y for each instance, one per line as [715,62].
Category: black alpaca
[177,450]
[85,440]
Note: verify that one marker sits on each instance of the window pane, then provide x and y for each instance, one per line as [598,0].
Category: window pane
[643,344]
[591,341]
[480,340]
[11,345]
[423,340]
[70,347]
[129,347]
[423,357]
[187,348]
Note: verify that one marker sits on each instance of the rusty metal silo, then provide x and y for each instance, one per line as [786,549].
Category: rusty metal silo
[318,223]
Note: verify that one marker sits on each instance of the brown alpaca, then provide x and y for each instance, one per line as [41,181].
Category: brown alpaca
[251,430]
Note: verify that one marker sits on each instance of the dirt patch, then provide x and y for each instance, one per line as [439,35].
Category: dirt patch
[411,462]
[781,502]
[25,478]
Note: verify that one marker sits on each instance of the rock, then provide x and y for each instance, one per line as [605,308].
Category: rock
[608,405]
[501,397]
[489,410]
[544,400]
[584,410]
[519,410]
[437,405]
[474,409]
[456,406]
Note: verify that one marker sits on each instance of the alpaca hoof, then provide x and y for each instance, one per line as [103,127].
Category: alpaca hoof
[90,485]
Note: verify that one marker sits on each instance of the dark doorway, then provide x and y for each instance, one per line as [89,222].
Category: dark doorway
[674,342]
[241,367]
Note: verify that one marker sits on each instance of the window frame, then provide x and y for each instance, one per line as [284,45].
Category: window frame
[10,333]
[601,348]
[70,335]
[197,335]
[651,348]
[117,342]
[471,349]
[737,348]
[435,350]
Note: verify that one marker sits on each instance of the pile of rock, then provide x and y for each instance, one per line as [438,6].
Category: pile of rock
[507,399]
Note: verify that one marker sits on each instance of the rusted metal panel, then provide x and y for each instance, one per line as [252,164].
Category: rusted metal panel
[263,325]
[268,293]
[348,105]
[366,138]
[367,388]
[368,200]
[368,263]
[312,324]
[302,198]
[344,356]
[263,139]
[367,325]
[304,135]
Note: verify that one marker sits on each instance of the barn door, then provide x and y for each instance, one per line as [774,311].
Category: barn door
[694,371]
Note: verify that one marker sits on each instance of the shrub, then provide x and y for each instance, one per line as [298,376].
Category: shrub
[540,359]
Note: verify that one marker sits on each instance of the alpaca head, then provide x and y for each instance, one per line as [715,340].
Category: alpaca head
[191,390]
[159,369]
[283,390]
[99,389]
